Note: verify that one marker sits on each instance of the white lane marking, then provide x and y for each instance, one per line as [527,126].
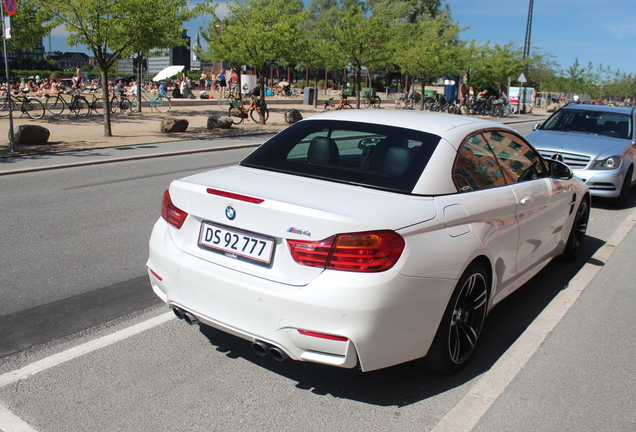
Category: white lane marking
[12,423]
[470,409]
[80,350]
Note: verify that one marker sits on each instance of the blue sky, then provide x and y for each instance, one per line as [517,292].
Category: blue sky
[603,32]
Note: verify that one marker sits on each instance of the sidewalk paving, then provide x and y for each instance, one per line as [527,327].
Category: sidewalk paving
[581,378]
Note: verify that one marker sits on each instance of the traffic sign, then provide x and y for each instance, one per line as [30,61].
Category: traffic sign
[522,77]
[10,6]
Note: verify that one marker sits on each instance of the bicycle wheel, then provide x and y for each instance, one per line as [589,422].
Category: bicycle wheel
[125,106]
[367,102]
[376,102]
[225,102]
[79,106]
[134,104]
[255,114]
[162,104]
[33,108]
[98,106]
[55,105]
[4,107]
[114,104]
[236,115]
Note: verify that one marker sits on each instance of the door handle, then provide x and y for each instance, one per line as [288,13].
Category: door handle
[526,200]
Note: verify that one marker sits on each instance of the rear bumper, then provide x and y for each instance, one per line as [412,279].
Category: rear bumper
[387,318]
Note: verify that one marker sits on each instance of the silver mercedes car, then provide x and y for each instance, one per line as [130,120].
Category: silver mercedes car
[596,142]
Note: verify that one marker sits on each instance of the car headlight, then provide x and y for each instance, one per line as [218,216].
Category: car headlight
[609,163]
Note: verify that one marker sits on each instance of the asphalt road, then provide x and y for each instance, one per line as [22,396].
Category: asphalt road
[73,276]
[78,243]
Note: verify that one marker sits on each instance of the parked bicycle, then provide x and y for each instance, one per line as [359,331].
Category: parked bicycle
[408,101]
[342,104]
[371,100]
[238,112]
[30,106]
[122,103]
[156,102]
[78,105]
[96,104]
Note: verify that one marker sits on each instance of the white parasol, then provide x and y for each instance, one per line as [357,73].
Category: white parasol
[168,72]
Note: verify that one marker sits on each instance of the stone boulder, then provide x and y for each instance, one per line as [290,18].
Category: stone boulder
[174,125]
[293,116]
[32,134]
[216,122]
[552,107]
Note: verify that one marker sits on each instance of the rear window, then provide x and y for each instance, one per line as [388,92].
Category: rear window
[367,154]
[617,125]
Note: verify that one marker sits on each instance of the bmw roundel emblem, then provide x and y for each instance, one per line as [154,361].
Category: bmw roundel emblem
[230,213]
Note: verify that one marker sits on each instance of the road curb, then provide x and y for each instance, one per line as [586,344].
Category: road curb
[126,158]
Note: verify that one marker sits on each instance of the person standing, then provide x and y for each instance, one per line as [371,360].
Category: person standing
[212,81]
[77,79]
[222,83]
[234,82]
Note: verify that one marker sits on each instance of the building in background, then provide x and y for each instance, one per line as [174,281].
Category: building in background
[180,56]
[67,61]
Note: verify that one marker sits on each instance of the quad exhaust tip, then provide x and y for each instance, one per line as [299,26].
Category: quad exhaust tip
[184,315]
[263,349]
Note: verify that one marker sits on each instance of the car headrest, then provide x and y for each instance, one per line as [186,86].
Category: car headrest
[323,150]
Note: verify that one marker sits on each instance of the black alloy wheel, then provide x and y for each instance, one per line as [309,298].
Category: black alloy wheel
[577,235]
[461,323]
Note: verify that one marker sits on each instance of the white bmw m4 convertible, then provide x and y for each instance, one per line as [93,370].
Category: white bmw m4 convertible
[366,238]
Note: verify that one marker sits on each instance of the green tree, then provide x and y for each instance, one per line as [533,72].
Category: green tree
[574,74]
[428,50]
[112,29]
[258,33]
[315,50]
[499,63]
[29,25]
[360,40]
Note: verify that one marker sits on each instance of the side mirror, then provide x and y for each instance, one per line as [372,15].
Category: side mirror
[559,170]
[536,126]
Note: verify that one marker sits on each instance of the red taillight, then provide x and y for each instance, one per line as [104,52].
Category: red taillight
[172,214]
[323,336]
[235,196]
[358,252]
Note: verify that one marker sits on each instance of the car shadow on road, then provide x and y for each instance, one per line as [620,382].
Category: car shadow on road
[412,382]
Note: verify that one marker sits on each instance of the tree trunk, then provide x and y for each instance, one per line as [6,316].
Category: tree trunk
[140,59]
[422,96]
[315,101]
[261,102]
[106,96]
[357,87]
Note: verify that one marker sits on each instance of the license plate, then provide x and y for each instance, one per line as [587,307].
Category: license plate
[236,244]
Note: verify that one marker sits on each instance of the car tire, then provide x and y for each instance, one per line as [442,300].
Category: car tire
[574,244]
[626,187]
[461,323]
